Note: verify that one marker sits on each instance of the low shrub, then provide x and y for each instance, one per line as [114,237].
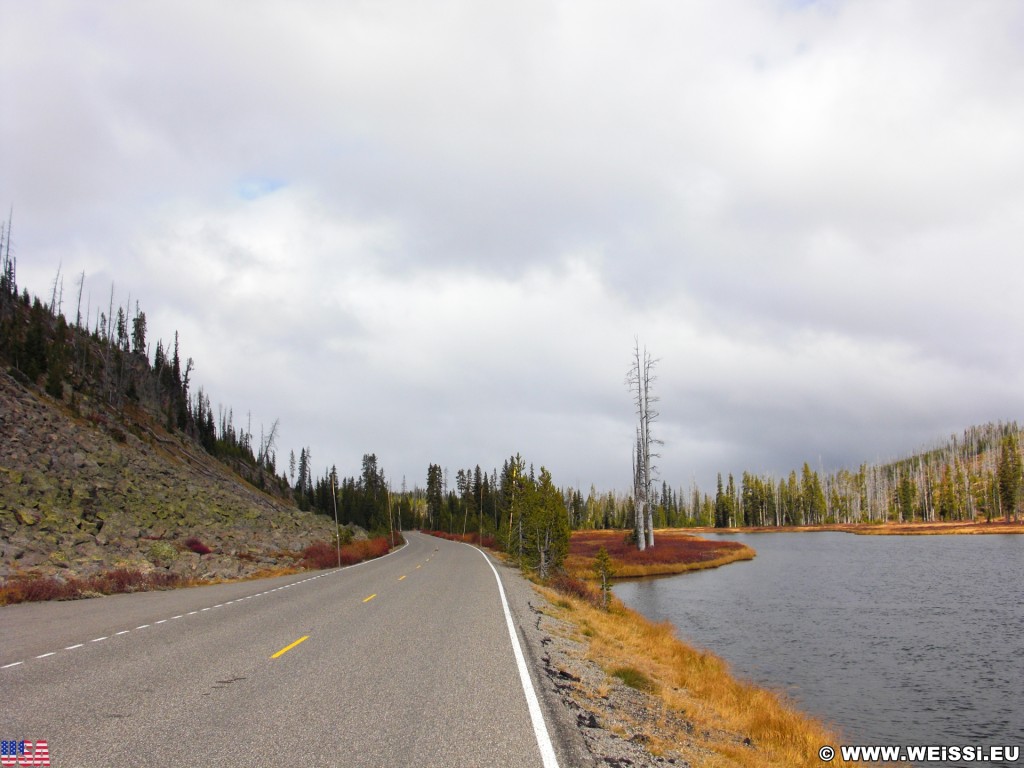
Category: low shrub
[161,553]
[565,584]
[321,554]
[634,678]
[32,588]
[197,546]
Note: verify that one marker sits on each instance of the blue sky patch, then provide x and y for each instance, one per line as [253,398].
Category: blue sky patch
[255,188]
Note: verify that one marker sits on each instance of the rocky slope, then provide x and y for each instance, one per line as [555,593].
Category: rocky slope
[81,495]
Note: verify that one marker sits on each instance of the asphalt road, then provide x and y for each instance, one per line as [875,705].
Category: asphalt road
[402,661]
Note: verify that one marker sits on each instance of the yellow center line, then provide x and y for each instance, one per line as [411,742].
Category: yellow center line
[401,577]
[370,597]
[287,648]
[419,566]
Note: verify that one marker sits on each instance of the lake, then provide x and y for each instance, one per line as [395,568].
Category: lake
[894,639]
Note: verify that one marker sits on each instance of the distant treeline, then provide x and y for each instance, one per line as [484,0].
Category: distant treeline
[106,368]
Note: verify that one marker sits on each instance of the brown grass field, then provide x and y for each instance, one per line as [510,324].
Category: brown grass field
[674,552]
[937,528]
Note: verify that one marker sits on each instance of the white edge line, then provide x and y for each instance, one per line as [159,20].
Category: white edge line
[540,728]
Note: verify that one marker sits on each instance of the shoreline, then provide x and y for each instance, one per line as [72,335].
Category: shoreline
[918,528]
[677,551]
[642,694]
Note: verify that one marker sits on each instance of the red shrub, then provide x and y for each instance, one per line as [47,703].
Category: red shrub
[567,585]
[669,548]
[31,589]
[320,554]
[118,581]
[34,588]
[197,546]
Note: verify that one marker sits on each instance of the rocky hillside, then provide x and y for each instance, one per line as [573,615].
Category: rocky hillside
[81,494]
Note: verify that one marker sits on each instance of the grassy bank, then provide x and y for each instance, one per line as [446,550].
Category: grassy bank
[674,552]
[695,708]
[933,528]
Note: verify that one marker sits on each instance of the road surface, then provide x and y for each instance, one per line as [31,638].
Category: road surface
[402,661]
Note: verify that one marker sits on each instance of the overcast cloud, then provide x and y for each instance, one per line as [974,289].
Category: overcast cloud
[432,230]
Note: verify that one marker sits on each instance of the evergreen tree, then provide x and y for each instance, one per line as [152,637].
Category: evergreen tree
[545,526]
[1008,471]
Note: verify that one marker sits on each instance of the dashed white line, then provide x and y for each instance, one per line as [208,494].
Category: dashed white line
[220,605]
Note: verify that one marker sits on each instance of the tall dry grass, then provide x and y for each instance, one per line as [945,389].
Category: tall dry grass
[698,685]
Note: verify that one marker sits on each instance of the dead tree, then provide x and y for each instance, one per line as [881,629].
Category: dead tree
[639,381]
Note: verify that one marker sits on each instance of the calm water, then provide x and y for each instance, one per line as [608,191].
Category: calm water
[895,639]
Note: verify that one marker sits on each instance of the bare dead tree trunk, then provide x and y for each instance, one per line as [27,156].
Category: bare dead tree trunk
[639,381]
[639,491]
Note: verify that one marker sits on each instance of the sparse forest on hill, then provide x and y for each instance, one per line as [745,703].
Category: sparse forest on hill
[109,460]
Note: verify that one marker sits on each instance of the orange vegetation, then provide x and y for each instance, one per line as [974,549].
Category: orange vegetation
[321,554]
[673,552]
[734,723]
[35,587]
[931,528]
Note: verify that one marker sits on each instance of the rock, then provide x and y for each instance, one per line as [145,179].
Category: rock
[25,517]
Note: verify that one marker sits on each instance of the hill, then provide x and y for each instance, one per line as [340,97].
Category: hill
[108,461]
[80,495]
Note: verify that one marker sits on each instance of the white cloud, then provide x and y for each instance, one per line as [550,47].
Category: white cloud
[433,231]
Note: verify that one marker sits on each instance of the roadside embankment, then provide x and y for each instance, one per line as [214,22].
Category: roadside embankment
[641,697]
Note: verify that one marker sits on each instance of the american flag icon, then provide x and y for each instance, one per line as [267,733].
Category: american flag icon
[24,753]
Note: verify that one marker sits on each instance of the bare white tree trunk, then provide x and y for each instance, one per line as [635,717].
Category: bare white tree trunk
[639,381]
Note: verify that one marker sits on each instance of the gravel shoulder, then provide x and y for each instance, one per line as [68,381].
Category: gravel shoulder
[594,718]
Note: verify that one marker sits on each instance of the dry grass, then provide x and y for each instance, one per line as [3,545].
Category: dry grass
[697,686]
[933,528]
[34,587]
[674,552]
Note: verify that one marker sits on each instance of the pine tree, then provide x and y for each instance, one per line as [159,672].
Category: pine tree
[1008,472]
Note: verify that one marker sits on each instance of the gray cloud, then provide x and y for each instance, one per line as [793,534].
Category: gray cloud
[433,232]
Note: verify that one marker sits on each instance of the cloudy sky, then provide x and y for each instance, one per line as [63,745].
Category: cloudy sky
[433,230]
